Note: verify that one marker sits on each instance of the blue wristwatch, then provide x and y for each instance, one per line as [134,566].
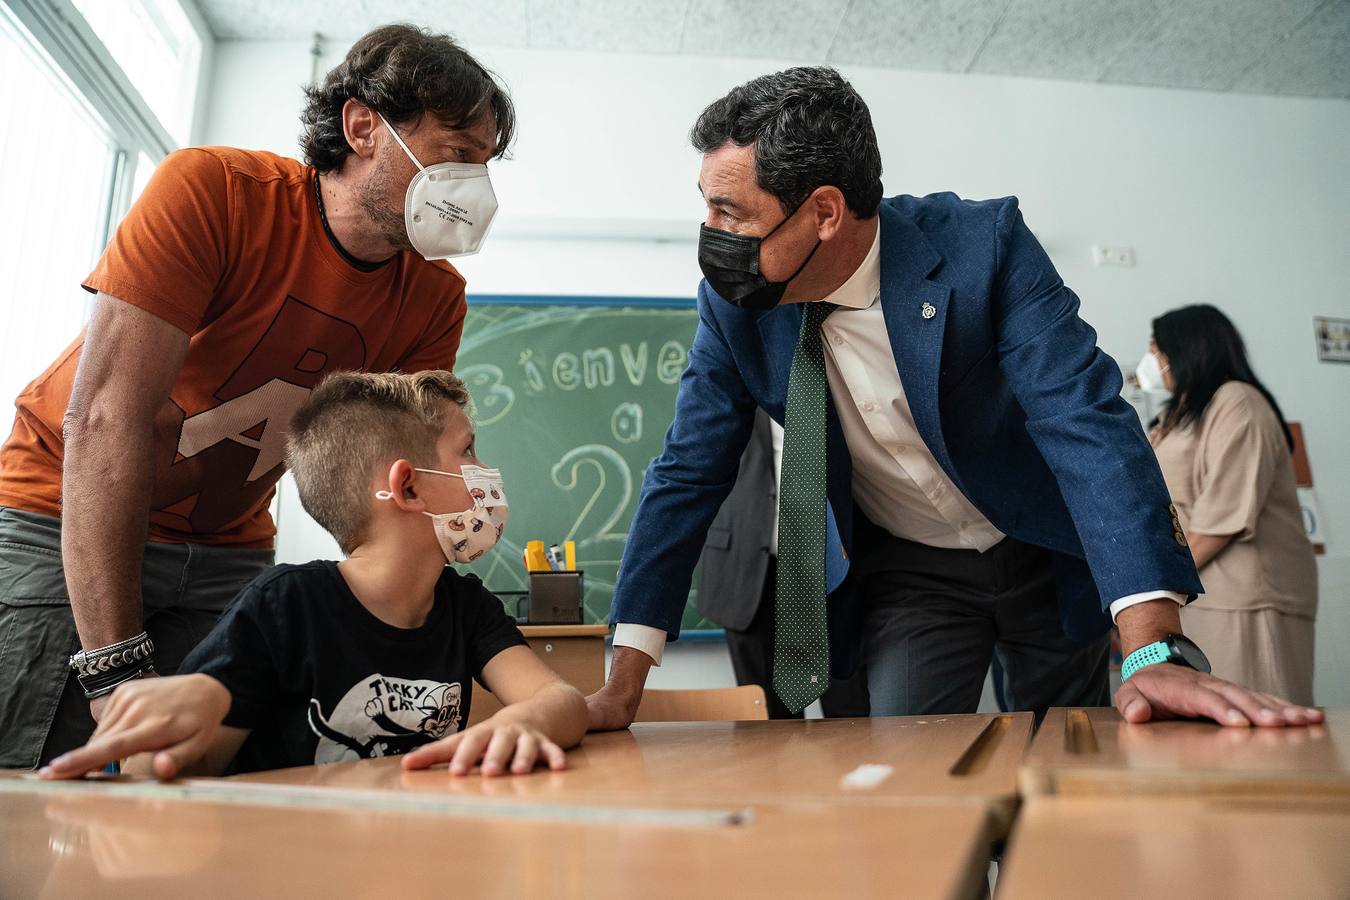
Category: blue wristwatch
[1175,648]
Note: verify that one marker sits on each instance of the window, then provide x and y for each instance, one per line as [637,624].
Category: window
[56,163]
[156,46]
[145,167]
[96,92]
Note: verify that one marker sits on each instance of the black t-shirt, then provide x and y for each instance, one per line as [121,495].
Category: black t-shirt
[318,678]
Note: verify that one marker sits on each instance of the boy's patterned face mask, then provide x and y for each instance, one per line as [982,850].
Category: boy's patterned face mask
[465,536]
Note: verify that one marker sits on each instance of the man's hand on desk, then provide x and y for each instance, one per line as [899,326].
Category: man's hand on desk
[178,719]
[1167,690]
[615,705]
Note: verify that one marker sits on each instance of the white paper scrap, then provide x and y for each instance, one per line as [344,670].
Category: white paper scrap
[867,776]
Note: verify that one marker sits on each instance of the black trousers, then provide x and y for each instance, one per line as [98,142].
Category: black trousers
[752,660]
[935,619]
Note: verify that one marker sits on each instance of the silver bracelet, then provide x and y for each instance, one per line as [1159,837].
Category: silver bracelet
[133,653]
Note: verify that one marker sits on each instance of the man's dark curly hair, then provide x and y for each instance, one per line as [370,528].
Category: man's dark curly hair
[809,127]
[403,72]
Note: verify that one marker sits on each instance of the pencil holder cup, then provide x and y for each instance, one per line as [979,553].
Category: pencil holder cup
[555,598]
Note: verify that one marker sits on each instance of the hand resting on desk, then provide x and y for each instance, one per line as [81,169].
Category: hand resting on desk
[1170,691]
[176,718]
[1167,691]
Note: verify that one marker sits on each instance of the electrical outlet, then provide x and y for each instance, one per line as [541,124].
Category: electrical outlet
[1114,255]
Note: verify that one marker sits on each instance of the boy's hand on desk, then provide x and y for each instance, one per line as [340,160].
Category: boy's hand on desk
[1168,691]
[503,745]
[177,716]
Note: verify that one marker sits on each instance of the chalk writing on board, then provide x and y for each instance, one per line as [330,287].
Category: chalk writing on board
[572,403]
[626,423]
[491,398]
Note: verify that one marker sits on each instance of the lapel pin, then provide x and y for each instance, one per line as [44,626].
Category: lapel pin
[929,310]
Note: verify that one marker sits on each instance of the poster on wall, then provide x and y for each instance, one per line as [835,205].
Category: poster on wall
[1333,339]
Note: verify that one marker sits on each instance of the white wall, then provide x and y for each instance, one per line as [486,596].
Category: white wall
[1240,201]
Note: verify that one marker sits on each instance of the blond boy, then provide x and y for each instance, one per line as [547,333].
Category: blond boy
[372,656]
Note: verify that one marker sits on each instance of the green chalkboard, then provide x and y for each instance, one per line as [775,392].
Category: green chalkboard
[572,400]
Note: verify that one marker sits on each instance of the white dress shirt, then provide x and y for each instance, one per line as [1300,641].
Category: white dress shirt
[897,482]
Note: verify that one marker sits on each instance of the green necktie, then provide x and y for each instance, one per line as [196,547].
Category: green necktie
[801,645]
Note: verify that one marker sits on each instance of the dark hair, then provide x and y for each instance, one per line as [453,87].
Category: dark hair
[1204,352]
[402,72]
[809,127]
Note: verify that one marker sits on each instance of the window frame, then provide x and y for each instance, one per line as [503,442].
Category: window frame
[60,32]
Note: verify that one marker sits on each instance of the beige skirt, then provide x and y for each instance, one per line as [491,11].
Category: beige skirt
[1261,649]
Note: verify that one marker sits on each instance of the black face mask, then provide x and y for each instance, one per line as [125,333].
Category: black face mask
[730,262]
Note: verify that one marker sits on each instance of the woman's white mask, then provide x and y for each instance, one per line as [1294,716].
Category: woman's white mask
[465,536]
[449,207]
[1150,374]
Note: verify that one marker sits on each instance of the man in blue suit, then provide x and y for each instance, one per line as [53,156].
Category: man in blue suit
[960,475]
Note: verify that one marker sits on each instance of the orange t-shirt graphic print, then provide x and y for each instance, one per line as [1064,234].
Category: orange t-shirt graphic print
[229,247]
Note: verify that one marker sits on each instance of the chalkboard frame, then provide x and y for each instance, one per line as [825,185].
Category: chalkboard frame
[691,635]
[580,300]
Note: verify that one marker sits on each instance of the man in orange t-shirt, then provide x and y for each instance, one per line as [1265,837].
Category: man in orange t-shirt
[134,488]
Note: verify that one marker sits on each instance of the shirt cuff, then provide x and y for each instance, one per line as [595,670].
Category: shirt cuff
[1130,600]
[651,641]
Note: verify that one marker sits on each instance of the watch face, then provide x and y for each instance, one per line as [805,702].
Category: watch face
[1189,653]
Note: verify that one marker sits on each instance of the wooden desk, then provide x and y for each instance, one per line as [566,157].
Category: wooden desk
[1195,848]
[1095,752]
[76,842]
[972,759]
[576,652]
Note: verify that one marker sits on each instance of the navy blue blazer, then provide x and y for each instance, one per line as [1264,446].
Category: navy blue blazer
[1009,392]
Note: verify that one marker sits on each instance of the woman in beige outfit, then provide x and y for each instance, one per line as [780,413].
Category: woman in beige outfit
[1224,449]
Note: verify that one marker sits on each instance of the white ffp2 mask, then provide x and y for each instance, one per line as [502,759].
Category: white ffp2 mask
[1150,374]
[449,207]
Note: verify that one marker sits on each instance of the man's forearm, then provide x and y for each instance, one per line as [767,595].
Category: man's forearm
[1147,622]
[628,669]
[104,518]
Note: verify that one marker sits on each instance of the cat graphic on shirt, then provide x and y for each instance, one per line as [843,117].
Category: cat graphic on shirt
[385,716]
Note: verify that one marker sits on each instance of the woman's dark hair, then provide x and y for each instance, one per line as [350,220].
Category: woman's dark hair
[402,72]
[1204,352]
[809,127]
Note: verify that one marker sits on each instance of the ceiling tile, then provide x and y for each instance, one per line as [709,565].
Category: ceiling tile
[480,23]
[917,34]
[1298,47]
[1062,38]
[1313,62]
[295,20]
[796,29]
[1205,43]
[631,26]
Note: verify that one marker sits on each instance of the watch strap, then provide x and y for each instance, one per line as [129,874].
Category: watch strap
[1147,655]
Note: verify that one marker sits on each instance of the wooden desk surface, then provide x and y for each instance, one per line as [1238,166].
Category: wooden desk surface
[1095,752]
[1194,848]
[78,843]
[564,631]
[968,758]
